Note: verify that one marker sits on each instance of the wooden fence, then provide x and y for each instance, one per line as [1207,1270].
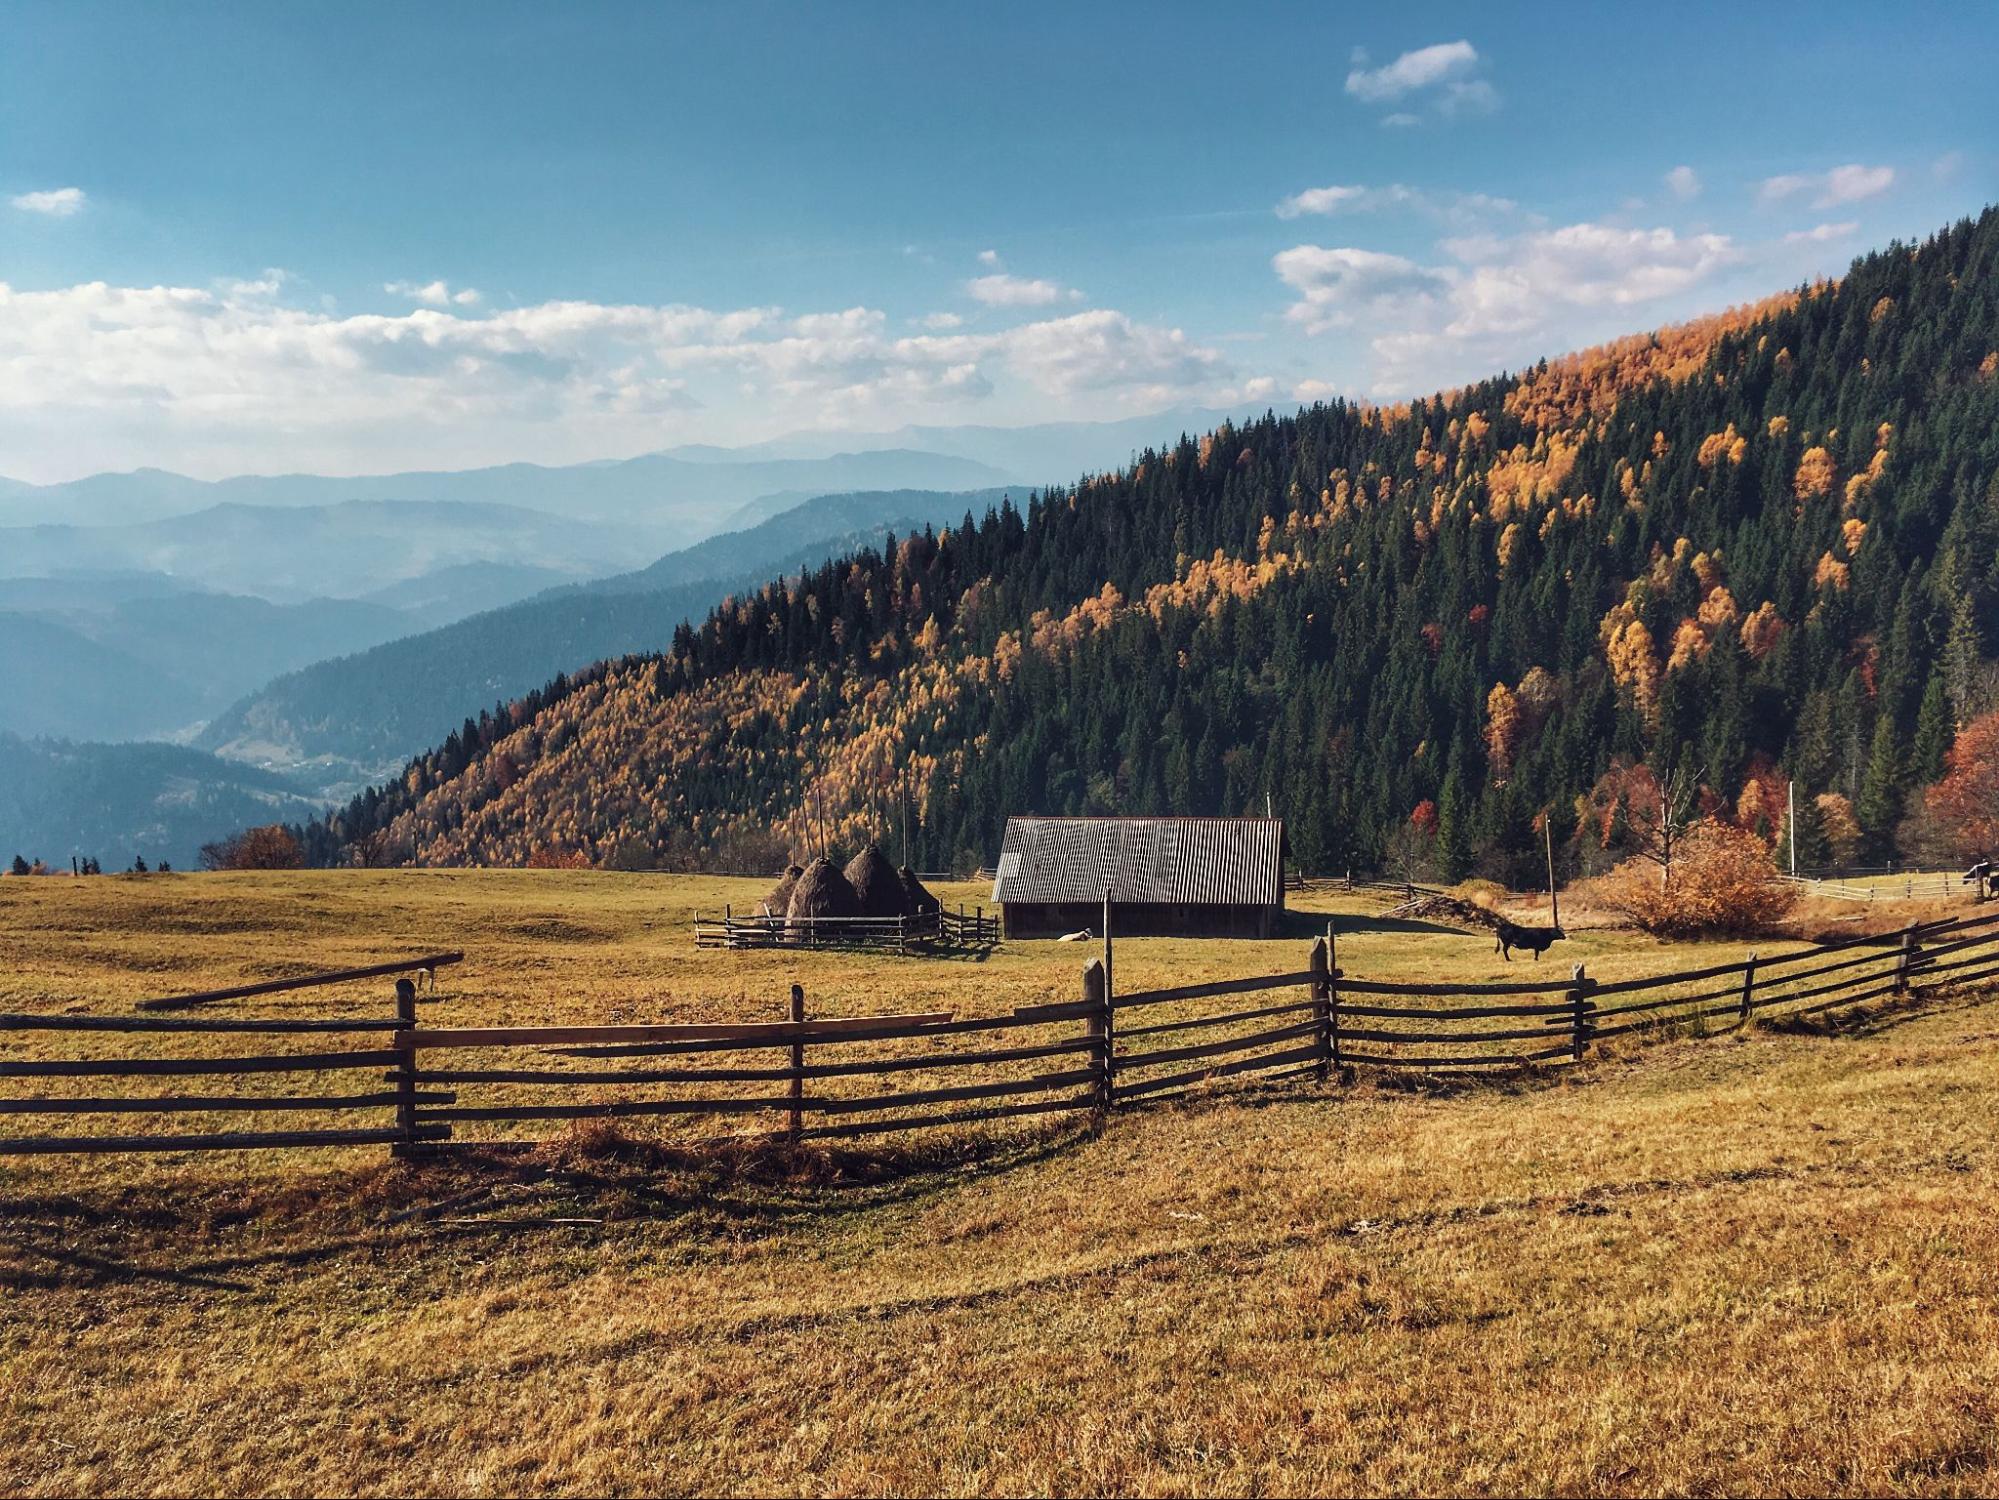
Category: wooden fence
[924,931]
[1907,887]
[431,1088]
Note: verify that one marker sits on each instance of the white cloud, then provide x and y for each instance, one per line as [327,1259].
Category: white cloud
[1004,290]
[938,322]
[432,293]
[1335,286]
[1307,391]
[1426,67]
[989,257]
[1820,234]
[1684,183]
[1848,184]
[52,203]
[1458,208]
[1401,120]
[1442,76]
[1492,299]
[239,376]
[1322,200]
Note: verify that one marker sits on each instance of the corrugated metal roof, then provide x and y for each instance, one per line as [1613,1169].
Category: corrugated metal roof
[1191,861]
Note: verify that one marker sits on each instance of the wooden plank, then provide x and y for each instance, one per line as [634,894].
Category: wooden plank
[1233,1017]
[1432,1038]
[174,1104]
[1446,1013]
[958,1117]
[1208,991]
[607,1109]
[866,1104]
[1518,1059]
[1667,1002]
[1969,961]
[1812,993]
[946,1028]
[149,1067]
[1162,1055]
[744,1033]
[304,982]
[1379,987]
[1838,966]
[748,1075]
[203,1024]
[1306,1054]
[1955,979]
[83,1145]
[1653,981]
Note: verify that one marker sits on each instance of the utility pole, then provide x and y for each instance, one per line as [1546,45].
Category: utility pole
[1548,842]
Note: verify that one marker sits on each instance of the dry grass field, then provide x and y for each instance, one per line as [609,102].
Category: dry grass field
[1752,1262]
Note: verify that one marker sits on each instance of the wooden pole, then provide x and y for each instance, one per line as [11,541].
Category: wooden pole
[1109,972]
[1748,986]
[797,1130]
[1548,842]
[1322,1012]
[1097,1025]
[406,1068]
[1580,1008]
[1902,963]
[1333,991]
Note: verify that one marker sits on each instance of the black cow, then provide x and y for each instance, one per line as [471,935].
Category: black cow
[1536,940]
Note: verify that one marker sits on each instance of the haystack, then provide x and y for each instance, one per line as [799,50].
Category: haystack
[778,902]
[876,883]
[921,902]
[822,891]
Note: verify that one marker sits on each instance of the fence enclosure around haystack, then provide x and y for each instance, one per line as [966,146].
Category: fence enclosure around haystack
[419,1088]
[918,933]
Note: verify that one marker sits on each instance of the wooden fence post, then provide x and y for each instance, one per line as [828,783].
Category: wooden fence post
[1097,995]
[797,1131]
[1581,1010]
[406,1069]
[1322,1004]
[1748,986]
[1902,962]
[1333,994]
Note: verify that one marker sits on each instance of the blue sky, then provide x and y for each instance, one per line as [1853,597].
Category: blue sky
[351,238]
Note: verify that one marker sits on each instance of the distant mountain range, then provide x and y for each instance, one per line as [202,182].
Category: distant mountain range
[333,626]
[342,722]
[676,500]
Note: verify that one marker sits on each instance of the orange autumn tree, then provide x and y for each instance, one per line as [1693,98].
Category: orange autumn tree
[1724,881]
[1966,801]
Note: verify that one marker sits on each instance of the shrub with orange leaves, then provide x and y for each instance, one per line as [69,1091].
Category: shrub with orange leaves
[1723,881]
[1966,801]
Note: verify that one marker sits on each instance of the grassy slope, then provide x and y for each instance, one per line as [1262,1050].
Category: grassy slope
[1754,1262]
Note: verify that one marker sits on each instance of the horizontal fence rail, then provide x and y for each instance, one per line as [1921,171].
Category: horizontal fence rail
[921,932]
[370,1080]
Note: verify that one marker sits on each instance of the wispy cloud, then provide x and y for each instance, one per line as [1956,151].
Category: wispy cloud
[1847,184]
[432,293]
[53,203]
[1444,76]
[1459,208]
[1820,234]
[1684,183]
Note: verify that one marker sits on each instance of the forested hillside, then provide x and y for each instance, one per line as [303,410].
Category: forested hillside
[1757,547]
[347,720]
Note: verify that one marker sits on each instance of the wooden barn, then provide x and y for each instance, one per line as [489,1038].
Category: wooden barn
[1166,877]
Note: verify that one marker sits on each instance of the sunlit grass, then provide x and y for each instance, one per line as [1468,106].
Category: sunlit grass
[1757,1262]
